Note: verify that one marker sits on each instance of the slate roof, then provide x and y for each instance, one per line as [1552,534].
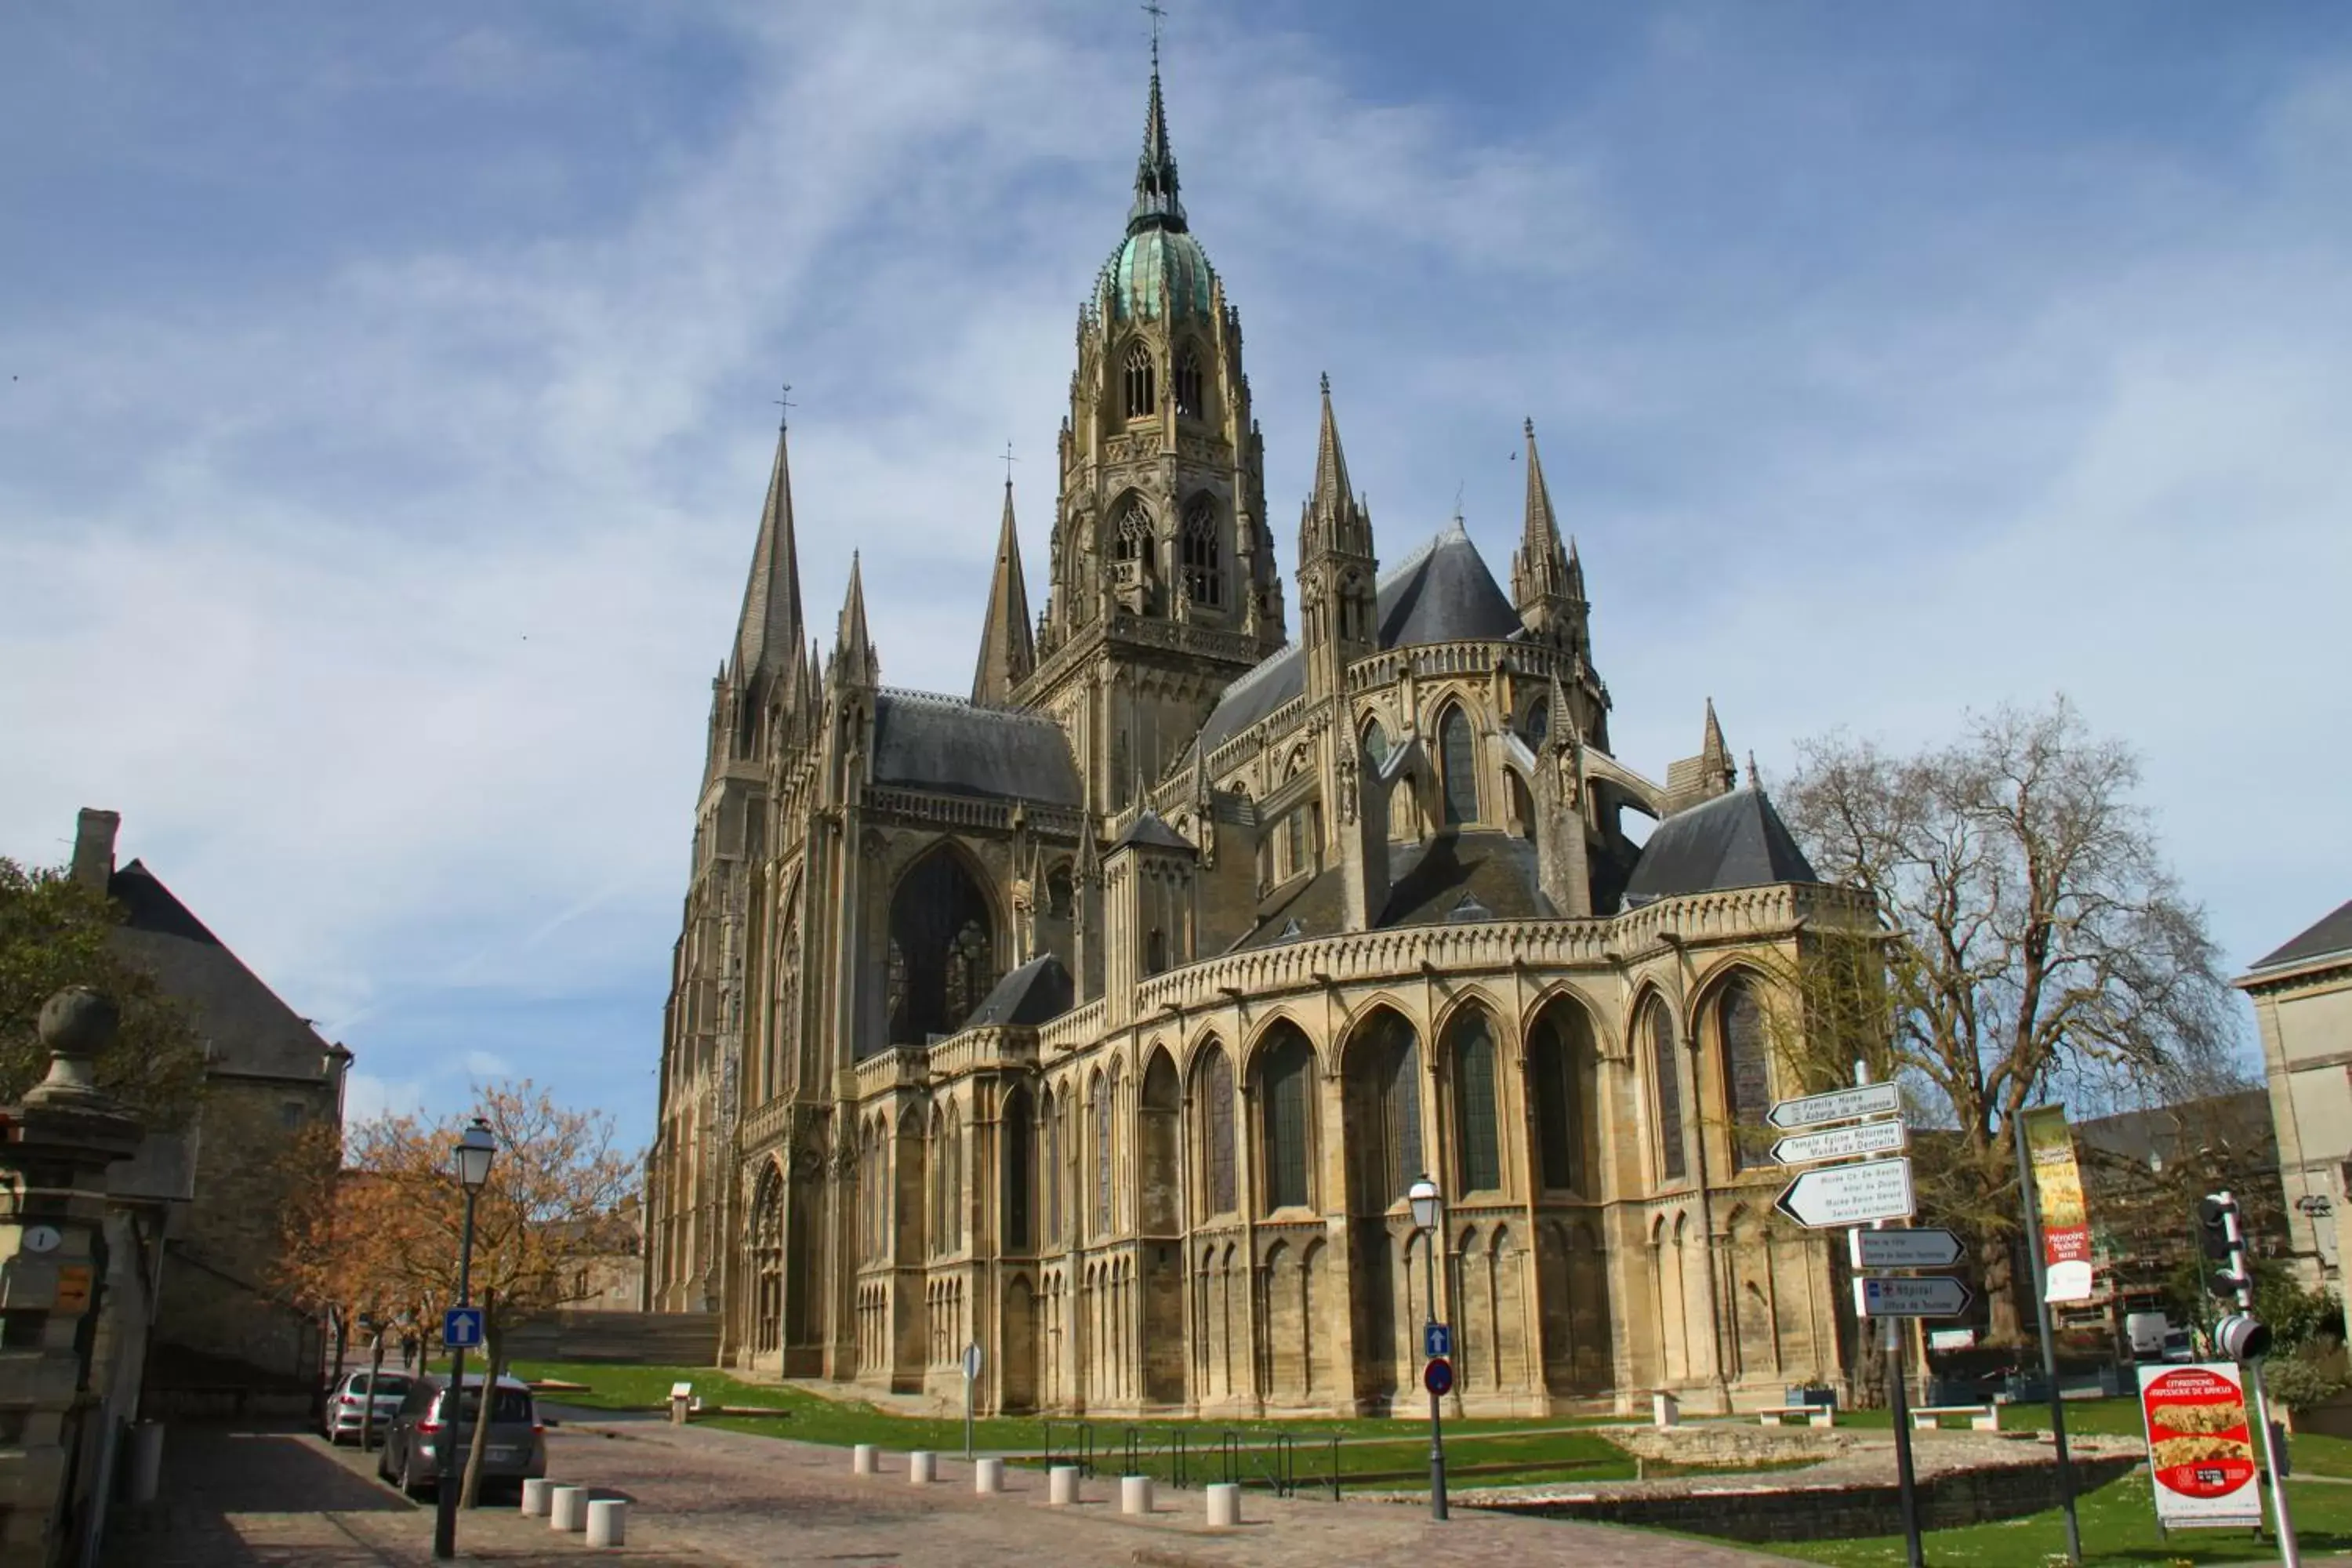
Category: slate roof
[922,740]
[1735,840]
[2331,936]
[250,1029]
[1474,875]
[1442,592]
[1147,828]
[1038,991]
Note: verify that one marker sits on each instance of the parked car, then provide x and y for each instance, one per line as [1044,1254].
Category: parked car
[411,1443]
[347,1404]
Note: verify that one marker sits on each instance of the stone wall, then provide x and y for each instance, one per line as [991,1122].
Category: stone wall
[1837,1514]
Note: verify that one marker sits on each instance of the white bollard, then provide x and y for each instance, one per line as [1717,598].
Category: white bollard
[567,1507]
[1062,1486]
[1224,1505]
[534,1498]
[988,1476]
[922,1467]
[1135,1494]
[861,1459]
[1665,1410]
[608,1522]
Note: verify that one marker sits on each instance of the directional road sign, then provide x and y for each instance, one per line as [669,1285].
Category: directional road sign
[461,1328]
[1838,1105]
[1849,1194]
[1905,1248]
[1436,1340]
[1438,1375]
[1921,1296]
[1840,1142]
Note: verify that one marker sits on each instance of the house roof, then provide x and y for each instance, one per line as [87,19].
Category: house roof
[1442,592]
[1735,840]
[1148,830]
[2330,936]
[923,740]
[249,1027]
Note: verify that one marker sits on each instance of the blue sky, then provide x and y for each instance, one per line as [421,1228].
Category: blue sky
[388,407]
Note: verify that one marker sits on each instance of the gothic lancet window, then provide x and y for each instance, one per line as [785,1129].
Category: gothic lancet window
[1051,1117]
[1538,725]
[1142,383]
[1105,1090]
[1382,1093]
[1205,577]
[1561,1072]
[1476,1144]
[1746,1071]
[1187,382]
[1461,761]
[1019,1170]
[1216,1098]
[941,953]
[1376,743]
[1132,540]
[1666,1072]
[1287,1076]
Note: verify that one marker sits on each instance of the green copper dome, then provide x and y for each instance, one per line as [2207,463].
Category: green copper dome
[1154,266]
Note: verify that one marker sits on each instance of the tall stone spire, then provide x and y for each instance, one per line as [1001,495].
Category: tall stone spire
[768,634]
[1714,756]
[1007,653]
[1337,567]
[854,660]
[1546,583]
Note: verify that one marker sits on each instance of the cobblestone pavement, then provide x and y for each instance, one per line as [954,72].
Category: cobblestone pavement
[709,1499]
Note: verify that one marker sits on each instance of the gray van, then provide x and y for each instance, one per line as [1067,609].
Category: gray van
[411,1453]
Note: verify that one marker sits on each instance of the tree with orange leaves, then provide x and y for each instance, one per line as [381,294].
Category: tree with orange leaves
[387,1240]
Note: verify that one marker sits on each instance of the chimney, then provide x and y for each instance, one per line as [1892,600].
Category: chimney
[93,854]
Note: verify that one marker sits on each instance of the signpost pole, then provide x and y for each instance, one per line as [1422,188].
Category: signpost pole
[1898,1407]
[2032,1204]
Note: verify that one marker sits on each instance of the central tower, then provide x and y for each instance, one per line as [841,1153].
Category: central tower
[1163,581]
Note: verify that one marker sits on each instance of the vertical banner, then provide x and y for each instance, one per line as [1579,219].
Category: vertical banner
[2065,1221]
[2200,1448]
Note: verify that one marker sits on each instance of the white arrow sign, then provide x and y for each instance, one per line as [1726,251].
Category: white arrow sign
[1838,1105]
[1929,1296]
[1849,1194]
[1840,1142]
[1906,1248]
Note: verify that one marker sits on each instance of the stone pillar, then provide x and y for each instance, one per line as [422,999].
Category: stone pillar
[53,1152]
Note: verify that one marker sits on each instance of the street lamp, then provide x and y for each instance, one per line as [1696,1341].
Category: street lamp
[475,1149]
[1428,1212]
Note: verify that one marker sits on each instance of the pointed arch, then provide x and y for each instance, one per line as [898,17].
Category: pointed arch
[1156,1164]
[942,948]
[1049,1112]
[1469,1055]
[1563,1083]
[1457,765]
[767,1261]
[1020,1146]
[1105,1090]
[1744,1048]
[1186,383]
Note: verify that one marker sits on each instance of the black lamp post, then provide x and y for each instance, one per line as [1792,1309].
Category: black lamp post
[475,1149]
[1428,1212]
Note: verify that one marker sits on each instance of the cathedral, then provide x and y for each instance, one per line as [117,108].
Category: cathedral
[1101,1017]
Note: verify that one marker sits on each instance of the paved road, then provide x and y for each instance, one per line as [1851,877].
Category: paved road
[710,1498]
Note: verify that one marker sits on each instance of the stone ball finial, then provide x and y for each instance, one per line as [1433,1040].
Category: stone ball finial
[78,1022]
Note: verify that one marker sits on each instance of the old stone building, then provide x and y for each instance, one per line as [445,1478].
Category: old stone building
[1103,1016]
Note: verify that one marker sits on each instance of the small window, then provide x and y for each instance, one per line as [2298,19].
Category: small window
[290,1113]
[1288,1075]
[1461,768]
[1669,1086]
[1205,577]
[1473,1104]
[1538,723]
[1376,743]
[1133,539]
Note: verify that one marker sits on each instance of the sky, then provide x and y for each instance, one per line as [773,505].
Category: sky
[389,398]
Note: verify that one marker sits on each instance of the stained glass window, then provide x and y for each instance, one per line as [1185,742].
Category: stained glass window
[1288,1081]
[1217,1091]
[1473,1104]
[1747,1071]
[1668,1072]
[1103,1096]
[1461,768]
[1020,1146]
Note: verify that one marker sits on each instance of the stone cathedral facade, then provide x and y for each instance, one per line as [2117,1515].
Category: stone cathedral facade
[1103,1016]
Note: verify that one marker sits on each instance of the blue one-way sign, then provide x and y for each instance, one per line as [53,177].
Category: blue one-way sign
[1437,1339]
[461,1328]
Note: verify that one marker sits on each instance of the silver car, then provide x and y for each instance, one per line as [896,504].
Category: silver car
[347,1402]
[411,1453]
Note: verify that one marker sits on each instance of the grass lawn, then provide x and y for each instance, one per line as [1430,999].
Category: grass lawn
[1526,1451]
[2118,1523]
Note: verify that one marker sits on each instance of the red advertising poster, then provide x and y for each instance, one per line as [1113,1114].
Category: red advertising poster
[2200,1446]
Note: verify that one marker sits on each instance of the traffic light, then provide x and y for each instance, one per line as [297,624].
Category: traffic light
[2225,1243]
[2241,1336]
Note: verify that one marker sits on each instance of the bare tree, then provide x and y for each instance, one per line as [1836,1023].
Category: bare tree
[2037,944]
